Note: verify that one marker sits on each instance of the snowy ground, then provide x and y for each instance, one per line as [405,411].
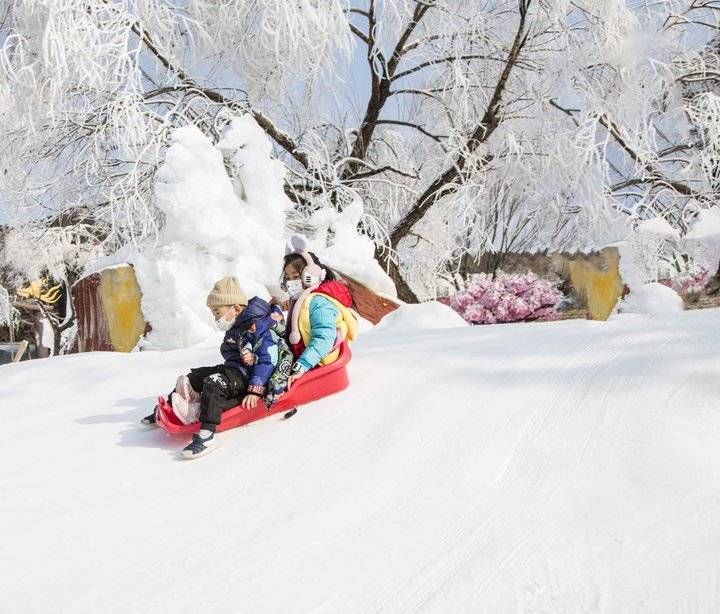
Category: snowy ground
[559,467]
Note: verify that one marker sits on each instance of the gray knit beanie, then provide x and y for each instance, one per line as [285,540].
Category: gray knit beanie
[227,291]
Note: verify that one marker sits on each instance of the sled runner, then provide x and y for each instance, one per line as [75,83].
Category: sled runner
[315,384]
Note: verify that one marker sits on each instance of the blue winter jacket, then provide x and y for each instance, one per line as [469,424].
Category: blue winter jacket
[260,343]
[323,320]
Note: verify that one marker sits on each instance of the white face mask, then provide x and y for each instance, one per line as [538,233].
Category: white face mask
[224,324]
[294,287]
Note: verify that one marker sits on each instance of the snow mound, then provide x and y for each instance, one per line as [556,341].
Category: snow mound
[339,245]
[707,225]
[493,469]
[424,316]
[652,299]
[364,325]
[658,227]
[703,240]
[214,226]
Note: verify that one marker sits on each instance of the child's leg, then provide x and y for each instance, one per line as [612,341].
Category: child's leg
[220,391]
[195,377]
[198,375]
[186,399]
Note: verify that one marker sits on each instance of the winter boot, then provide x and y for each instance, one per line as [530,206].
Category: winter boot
[185,390]
[202,443]
[150,420]
[188,412]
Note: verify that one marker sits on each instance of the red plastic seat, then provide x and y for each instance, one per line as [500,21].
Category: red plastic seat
[314,385]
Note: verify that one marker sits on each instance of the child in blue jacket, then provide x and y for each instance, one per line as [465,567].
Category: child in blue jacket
[251,370]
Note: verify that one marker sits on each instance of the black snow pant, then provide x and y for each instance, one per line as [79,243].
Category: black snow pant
[220,388]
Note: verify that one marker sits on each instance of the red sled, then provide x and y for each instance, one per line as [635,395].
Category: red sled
[314,385]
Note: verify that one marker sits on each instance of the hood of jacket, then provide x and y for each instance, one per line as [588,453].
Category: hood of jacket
[336,290]
[258,312]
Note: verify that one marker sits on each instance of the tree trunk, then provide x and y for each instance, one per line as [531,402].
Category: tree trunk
[404,291]
[713,284]
[447,183]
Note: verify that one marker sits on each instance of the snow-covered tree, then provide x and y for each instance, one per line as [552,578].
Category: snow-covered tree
[462,127]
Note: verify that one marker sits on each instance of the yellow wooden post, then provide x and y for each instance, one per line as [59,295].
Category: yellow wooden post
[597,279]
[121,296]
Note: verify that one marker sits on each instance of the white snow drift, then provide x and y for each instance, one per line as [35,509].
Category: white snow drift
[553,467]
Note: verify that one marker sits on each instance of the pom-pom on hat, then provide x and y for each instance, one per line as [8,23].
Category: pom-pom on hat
[227,291]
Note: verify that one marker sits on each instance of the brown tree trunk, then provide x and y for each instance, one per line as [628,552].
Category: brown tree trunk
[404,291]
[713,284]
[447,182]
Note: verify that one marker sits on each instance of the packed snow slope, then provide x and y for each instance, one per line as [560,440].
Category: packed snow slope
[554,467]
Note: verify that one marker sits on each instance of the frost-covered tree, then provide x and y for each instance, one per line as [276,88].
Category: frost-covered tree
[463,127]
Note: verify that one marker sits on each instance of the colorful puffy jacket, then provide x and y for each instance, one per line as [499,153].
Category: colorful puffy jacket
[263,343]
[324,321]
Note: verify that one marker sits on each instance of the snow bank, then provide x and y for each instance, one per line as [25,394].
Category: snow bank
[339,245]
[658,227]
[214,227]
[565,467]
[702,242]
[423,316]
[646,297]
[364,325]
[707,225]
[652,299]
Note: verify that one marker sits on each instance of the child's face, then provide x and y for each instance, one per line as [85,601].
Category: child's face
[226,311]
[291,272]
[293,283]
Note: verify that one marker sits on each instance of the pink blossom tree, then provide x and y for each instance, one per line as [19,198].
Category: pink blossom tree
[507,298]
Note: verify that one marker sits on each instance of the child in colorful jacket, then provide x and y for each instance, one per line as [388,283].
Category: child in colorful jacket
[320,316]
[252,368]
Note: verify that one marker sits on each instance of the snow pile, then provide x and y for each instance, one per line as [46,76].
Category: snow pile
[658,227]
[707,225]
[338,244]
[702,242]
[423,316]
[214,226]
[645,297]
[364,325]
[258,180]
[652,299]
[565,467]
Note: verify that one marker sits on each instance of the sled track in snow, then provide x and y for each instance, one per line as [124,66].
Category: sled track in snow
[568,466]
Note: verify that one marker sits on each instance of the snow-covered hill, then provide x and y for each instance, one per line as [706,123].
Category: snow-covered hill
[555,467]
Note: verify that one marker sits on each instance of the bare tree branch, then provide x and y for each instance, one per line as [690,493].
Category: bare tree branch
[418,14]
[382,169]
[360,34]
[447,60]
[654,176]
[279,136]
[380,85]
[394,122]
[446,183]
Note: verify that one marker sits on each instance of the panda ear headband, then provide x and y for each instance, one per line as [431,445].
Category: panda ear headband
[312,274]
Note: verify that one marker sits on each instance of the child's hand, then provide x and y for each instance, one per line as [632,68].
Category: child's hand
[297,372]
[282,303]
[250,401]
[277,313]
[248,358]
[293,378]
